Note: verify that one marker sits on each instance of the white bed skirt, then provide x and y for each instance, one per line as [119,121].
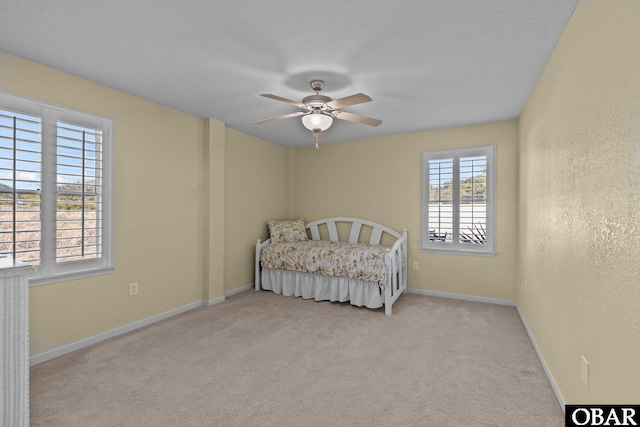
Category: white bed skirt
[322,288]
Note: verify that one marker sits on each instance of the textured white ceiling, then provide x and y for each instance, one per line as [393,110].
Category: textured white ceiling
[426,64]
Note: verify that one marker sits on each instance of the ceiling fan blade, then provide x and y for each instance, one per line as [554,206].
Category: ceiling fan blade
[343,115]
[281,99]
[273,119]
[358,98]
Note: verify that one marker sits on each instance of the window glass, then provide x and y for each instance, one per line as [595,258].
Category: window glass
[55,187]
[458,200]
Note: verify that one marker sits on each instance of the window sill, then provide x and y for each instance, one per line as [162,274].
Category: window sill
[38,281]
[458,252]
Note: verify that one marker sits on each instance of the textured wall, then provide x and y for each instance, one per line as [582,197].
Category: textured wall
[579,209]
[380,180]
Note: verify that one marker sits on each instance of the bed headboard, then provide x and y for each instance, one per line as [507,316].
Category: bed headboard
[331,224]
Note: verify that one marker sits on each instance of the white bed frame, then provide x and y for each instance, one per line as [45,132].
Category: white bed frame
[396,277]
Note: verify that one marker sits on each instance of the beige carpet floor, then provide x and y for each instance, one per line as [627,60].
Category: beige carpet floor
[261,359]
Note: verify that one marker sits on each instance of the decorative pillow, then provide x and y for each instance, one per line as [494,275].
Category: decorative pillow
[287,231]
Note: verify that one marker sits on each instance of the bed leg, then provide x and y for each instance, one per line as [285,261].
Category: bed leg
[388,300]
[257,266]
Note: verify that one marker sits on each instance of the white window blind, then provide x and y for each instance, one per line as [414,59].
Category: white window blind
[20,175]
[79,193]
[55,189]
[458,200]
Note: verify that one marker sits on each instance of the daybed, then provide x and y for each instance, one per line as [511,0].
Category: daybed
[334,268]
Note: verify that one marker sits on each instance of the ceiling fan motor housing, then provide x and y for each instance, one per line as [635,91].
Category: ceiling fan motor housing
[316,101]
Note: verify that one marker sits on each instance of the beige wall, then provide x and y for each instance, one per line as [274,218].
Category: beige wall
[380,180]
[165,166]
[156,210]
[255,191]
[579,247]
[213,196]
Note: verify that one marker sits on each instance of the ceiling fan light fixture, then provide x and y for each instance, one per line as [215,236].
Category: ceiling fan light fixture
[317,120]
[318,111]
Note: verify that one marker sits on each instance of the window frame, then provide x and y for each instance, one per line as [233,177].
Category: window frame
[49,270]
[455,246]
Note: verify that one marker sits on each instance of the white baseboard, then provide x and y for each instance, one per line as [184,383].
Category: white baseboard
[214,301]
[552,381]
[462,297]
[94,339]
[542,361]
[238,290]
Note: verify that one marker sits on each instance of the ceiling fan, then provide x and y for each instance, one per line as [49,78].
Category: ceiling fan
[318,111]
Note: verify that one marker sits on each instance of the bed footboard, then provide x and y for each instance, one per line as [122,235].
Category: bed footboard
[259,247]
[396,266]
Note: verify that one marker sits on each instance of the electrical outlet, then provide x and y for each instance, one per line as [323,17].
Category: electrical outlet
[133,289]
[416,265]
[585,372]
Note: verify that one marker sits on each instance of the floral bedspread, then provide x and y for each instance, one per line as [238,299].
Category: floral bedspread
[354,260]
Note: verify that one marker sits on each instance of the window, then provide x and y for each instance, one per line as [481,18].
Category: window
[458,201]
[55,189]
